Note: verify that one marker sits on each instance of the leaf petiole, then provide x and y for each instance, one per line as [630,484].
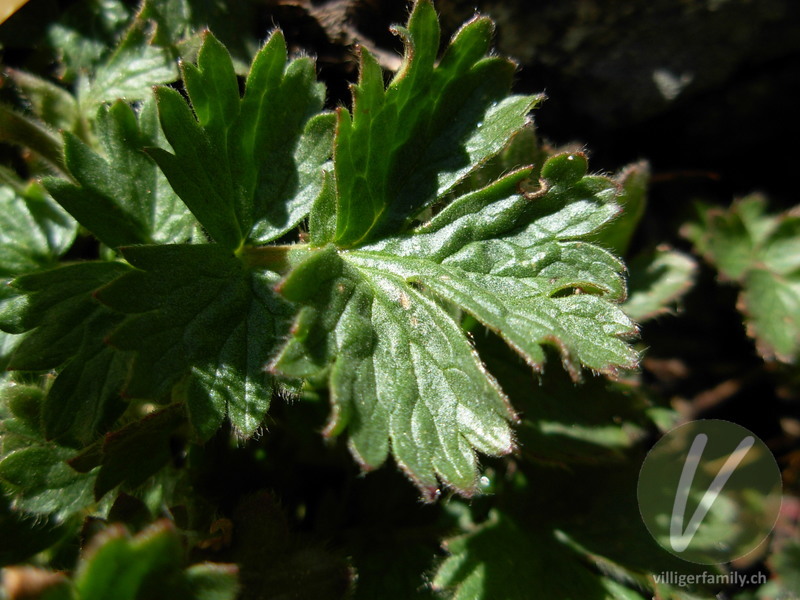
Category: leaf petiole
[278,259]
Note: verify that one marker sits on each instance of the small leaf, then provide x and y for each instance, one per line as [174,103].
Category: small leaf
[196,309]
[589,546]
[537,562]
[148,565]
[58,303]
[247,168]
[84,34]
[35,473]
[68,330]
[658,279]
[123,198]
[565,423]
[117,566]
[129,73]
[633,181]
[50,102]
[771,304]
[41,482]
[16,128]
[237,25]
[209,581]
[34,231]
[761,252]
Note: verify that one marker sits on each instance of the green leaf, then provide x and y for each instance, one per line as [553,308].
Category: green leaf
[129,73]
[50,102]
[34,231]
[41,482]
[248,168]
[402,373]
[118,566]
[209,581]
[236,24]
[541,563]
[115,565]
[68,328]
[149,566]
[58,303]
[33,472]
[16,128]
[771,304]
[85,399]
[658,279]
[122,197]
[172,18]
[633,181]
[85,33]
[196,310]
[563,422]
[761,253]
[588,546]
[407,146]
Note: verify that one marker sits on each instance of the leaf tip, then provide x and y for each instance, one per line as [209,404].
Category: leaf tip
[565,168]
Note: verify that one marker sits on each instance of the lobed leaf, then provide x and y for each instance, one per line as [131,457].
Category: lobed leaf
[658,279]
[84,35]
[129,73]
[403,375]
[761,253]
[148,565]
[58,303]
[16,128]
[541,566]
[248,168]
[633,181]
[50,102]
[407,146]
[196,310]
[34,231]
[590,546]
[68,328]
[34,473]
[122,197]
[564,423]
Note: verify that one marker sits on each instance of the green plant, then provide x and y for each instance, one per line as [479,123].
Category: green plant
[256,268]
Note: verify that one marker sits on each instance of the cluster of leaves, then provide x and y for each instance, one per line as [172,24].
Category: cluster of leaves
[189,257]
[761,253]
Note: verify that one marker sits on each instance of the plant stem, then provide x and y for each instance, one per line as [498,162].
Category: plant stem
[279,259]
